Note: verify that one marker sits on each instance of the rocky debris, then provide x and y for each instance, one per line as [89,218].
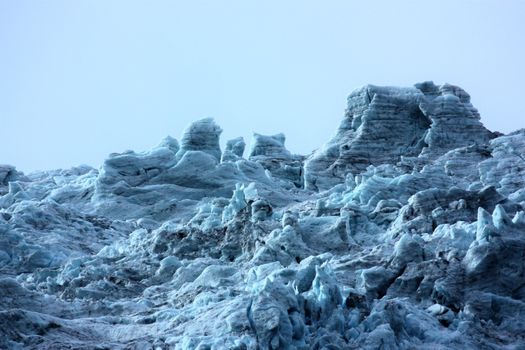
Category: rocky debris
[405,231]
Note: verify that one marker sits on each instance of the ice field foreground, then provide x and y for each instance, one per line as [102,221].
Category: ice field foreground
[405,231]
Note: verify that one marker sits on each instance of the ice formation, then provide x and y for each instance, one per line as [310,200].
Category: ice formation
[405,231]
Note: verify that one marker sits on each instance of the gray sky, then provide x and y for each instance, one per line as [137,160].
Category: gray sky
[81,79]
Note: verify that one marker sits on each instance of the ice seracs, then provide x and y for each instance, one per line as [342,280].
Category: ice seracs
[234,149]
[405,231]
[382,125]
[270,152]
[506,168]
[202,135]
[168,178]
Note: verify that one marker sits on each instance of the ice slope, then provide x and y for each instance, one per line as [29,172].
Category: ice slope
[405,231]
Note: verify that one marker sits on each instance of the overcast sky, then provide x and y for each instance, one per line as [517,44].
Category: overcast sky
[82,79]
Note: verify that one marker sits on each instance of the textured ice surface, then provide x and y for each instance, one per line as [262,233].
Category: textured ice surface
[386,124]
[405,231]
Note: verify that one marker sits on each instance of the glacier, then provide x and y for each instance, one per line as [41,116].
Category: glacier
[406,230]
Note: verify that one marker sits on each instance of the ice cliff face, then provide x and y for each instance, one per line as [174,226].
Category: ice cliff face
[389,125]
[405,231]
